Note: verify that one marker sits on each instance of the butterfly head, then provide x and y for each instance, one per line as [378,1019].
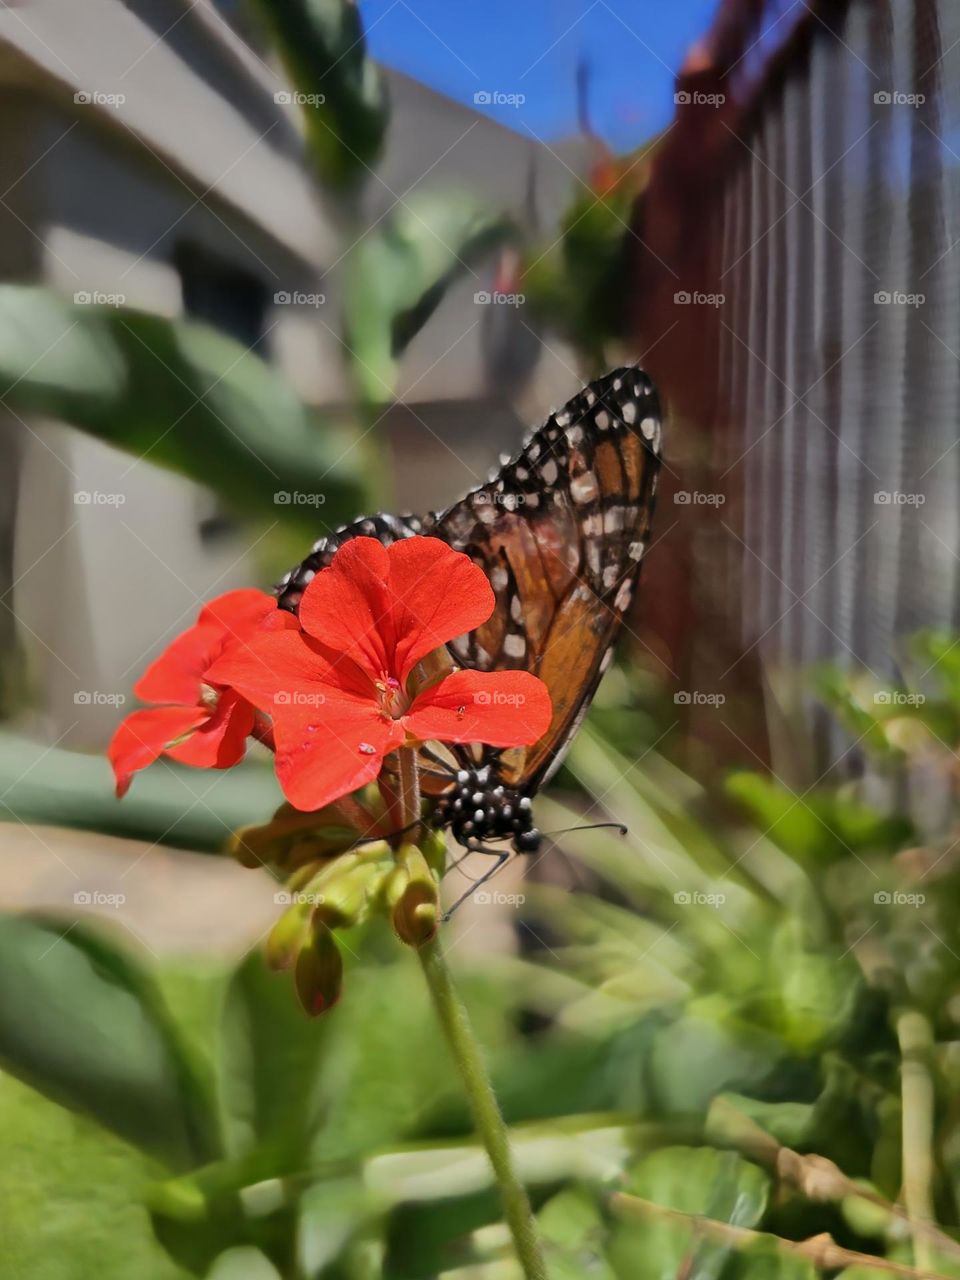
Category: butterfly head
[476,811]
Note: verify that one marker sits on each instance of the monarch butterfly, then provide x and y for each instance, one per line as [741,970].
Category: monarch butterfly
[560,531]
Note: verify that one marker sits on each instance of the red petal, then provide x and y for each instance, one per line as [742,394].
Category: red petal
[503,709]
[143,735]
[318,762]
[347,605]
[177,674]
[388,607]
[222,739]
[283,671]
[440,594]
[236,612]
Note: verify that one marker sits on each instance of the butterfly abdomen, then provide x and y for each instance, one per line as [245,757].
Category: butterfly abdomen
[476,810]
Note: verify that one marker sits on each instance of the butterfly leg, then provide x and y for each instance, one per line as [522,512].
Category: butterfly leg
[458,863]
[501,858]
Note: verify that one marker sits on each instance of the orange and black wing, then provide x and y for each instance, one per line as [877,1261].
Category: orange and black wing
[560,532]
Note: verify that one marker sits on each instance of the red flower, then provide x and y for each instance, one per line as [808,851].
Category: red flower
[203,723]
[340,692]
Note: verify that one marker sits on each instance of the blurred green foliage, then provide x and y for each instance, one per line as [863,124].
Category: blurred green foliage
[177,394]
[722,1011]
[399,273]
[321,44]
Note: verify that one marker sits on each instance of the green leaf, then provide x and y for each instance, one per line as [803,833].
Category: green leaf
[573,1233]
[179,394]
[707,1050]
[398,274]
[815,828]
[270,1067]
[812,997]
[83,1023]
[331,1213]
[322,46]
[71,1196]
[69,789]
[701,1181]
[201,1215]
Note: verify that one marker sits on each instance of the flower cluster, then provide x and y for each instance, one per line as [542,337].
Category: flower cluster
[342,692]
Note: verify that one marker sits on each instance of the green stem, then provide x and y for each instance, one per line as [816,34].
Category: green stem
[484,1108]
[917,1095]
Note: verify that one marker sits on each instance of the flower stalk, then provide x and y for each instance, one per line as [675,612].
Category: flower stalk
[484,1108]
[468,1057]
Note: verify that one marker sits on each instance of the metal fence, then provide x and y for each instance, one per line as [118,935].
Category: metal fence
[807,203]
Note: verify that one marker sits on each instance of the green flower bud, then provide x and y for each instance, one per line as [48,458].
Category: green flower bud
[413,893]
[288,935]
[319,973]
[343,898]
[434,848]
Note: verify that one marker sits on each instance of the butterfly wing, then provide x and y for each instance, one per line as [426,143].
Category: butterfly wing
[560,532]
[385,528]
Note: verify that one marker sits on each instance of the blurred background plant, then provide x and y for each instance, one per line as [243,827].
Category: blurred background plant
[718,1041]
[736,1035]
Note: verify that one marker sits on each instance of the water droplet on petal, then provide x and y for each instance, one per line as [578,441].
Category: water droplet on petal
[367,750]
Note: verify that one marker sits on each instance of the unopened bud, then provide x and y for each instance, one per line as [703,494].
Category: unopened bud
[287,936]
[343,900]
[319,973]
[434,849]
[414,895]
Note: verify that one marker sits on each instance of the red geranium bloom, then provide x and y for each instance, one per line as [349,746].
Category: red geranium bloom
[339,691]
[203,723]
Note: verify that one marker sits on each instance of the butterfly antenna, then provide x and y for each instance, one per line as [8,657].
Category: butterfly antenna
[592,826]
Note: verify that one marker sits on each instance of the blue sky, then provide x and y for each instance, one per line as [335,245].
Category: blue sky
[532,47]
